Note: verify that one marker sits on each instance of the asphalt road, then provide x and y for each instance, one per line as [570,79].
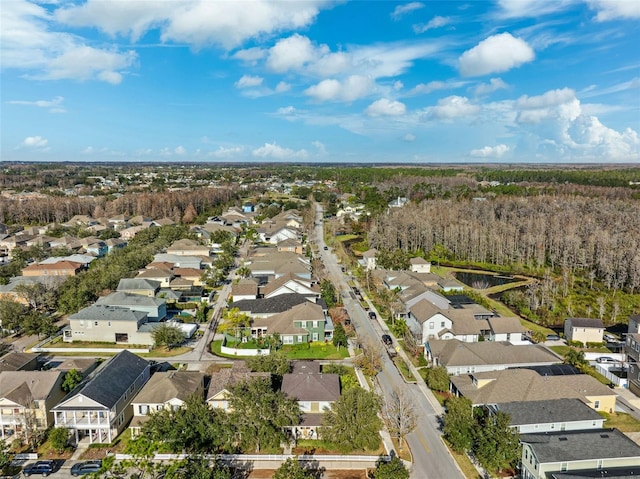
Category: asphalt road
[431,459]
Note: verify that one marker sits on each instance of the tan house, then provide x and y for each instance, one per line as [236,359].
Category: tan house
[290,246]
[511,385]
[26,400]
[420,265]
[223,380]
[585,330]
[187,247]
[165,390]
[190,274]
[161,275]
[61,268]
[16,361]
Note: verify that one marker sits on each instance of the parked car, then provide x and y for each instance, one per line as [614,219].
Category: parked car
[386,339]
[553,337]
[605,359]
[44,468]
[372,315]
[86,467]
[326,248]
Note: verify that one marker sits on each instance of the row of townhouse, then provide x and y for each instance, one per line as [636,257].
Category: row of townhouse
[122,392]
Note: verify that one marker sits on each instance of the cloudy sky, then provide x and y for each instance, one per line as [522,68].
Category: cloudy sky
[320,81]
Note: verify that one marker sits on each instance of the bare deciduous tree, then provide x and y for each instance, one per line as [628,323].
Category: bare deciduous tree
[399,415]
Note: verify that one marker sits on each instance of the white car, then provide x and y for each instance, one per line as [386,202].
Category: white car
[606,359]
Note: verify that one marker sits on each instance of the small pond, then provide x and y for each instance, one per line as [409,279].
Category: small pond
[483,281]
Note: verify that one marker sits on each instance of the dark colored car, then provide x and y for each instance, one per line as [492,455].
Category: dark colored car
[326,248]
[86,467]
[372,315]
[44,468]
[386,339]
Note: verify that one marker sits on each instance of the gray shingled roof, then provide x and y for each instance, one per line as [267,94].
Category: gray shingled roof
[277,304]
[566,446]
[586,323]
[108,383]
[546,412]
[128,284]
[98,312]
[453,352]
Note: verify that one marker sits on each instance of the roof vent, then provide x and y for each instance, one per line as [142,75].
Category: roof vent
[562,439]
[604,436]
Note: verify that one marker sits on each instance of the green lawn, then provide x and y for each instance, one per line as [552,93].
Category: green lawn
[622,421]
[343,238]
[315,351]
[404,369]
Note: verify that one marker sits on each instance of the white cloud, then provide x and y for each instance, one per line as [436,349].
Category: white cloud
[227,153]
[286,110]
[497,53]
[322,150]
[401,10]
[386,107]
[248,81]
[559,123]
[250,55]
[494,84]
[453,107]
[531,8]
[30,43]
[195,22]
[282,87]
[352,88]
[180,150]
[54,105]
[292,53]
[615,9]
[409,137]
[398,85]
[490,151]
[426,88]
[435,22]
[35,142]
[272,150]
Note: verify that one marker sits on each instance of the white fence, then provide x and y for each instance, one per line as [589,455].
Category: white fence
[241,352]
[88,350]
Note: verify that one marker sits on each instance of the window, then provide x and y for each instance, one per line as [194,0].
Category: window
[315,324]
[431,326]
[563,467]
[442,324]
[95,323]
[596,405]
[109,323]
[143,409]
[122,338]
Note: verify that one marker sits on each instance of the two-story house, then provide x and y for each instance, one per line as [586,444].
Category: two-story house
[632,350]
[156,308]
[303,323]
[99,408]
[584,330]
[588,453]
[187,247]
[140,286]
[222,382]
[165,390]
[315,393]
[26,399]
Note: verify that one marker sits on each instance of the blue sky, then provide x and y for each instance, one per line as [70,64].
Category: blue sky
[320,81]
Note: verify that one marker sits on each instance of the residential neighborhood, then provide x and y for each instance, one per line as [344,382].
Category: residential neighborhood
[112,341]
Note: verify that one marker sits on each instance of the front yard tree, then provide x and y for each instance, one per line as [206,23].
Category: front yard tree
[11,313]
[497,445]
[328,292]
[275,363]
[59,438]
[235,322]
[260,414]
[459,423]
[197,467]
[168,335]
[370,360]
[352,423]
[393,469]
[339,336]
[399,415]
[292,469]
[437,378]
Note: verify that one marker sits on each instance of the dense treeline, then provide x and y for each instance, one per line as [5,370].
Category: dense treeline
[562,232]
[584,176]
[170,204]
